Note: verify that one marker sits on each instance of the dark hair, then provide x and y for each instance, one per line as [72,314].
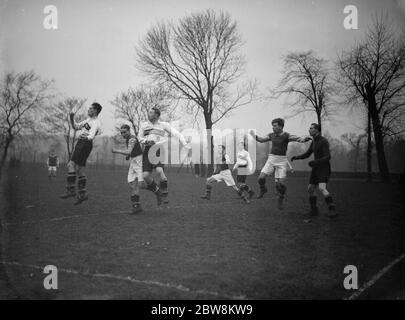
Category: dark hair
[126,127]
[279,121]
[316,126]
[156,110]
[97,106]
[223,147]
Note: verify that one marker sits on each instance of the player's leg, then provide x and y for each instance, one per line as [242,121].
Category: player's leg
[163,185]
[150,183]
[208,187]
[135,200]
[228,179]
[267,170]
[49,172]
[54,172]
[313,184]
[152,186]
[312,199]
[81,185]
[134,174]
[241,181]
[70,181]
[281,190]
[328,199]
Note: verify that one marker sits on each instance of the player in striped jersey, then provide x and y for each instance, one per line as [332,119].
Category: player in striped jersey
[134,152]
[155,132]
[89,129]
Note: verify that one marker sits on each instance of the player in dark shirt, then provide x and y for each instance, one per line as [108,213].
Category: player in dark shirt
[133,152]
[277,161]
[321,169]
[53,164]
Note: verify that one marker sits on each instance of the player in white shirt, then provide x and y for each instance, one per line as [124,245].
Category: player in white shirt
[222,173]
[244,166]
[134,153]
[150,133]
[89,128]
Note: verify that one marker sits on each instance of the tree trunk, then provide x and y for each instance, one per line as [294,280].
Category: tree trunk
[318,115]
[369,150]
[378,138]
[5,151]
[210,143]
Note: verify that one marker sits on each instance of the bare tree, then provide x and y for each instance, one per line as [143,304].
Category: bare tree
[374,71]
[59,123]
[133,105]
[355,141]
[306,79]
[23,98]
[199,59]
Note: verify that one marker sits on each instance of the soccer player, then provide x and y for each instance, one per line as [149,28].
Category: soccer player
[89,128]
[153,132]
[243,163]
[321,170]
[222,173]
[134,151]
[277,161]
[53,163]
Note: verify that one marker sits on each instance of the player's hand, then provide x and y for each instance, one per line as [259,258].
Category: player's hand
[312,163]
[293,158]
[113,150]
[252,133]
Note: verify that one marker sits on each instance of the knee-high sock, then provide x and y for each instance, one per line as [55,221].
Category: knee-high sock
[312,203]
[152,187]
[71,182]
[262,183]
[281,188]
[135,200]
[208,189]
[81,185]
[164,188]
[329,201]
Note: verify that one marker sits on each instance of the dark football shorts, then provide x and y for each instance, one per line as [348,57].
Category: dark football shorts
[81,152]
[319,175]
[147,166]
[241,178]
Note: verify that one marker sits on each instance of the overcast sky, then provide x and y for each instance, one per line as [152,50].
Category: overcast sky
[92,54]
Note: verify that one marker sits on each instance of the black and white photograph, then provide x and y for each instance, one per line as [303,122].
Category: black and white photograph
[220,152]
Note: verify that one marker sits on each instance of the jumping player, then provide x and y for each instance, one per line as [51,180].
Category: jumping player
[153,132]
[134,152]
[277,161]
[53,163]
[222,173]
[89,128]
[243,163]
[321,170]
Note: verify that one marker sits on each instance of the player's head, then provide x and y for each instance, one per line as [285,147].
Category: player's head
[154,114]
[278,125]
[314,129]
[125,131]
[221,149]
[51,152]
[241,145]
[94,109]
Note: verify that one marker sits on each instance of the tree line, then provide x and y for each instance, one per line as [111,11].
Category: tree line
[195,66]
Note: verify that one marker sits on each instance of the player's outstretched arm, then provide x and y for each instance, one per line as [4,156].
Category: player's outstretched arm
[260,139]
[303,139]
[305,155]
